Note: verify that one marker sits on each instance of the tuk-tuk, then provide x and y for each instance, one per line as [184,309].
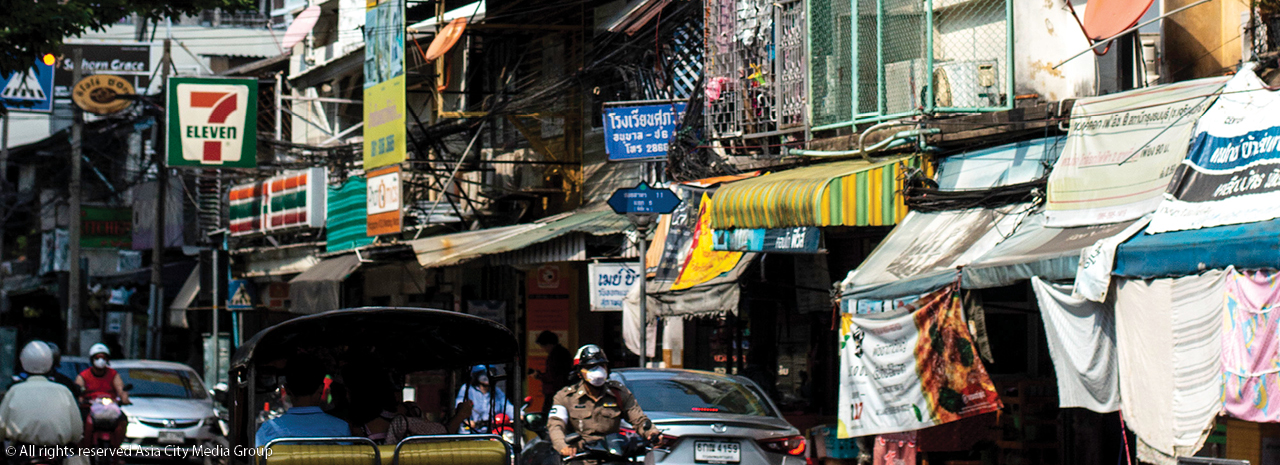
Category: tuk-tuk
[404,340]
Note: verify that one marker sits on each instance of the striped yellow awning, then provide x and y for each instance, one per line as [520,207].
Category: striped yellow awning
[843,193]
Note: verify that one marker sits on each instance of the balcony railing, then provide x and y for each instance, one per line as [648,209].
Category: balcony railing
[875,60]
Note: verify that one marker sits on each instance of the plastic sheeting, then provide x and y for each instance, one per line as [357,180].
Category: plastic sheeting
[319,289]
[924,252]
[1036,250]
[1169,336]
[1082,342]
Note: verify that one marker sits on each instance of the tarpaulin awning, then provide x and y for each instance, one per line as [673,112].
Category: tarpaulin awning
[1036,250]
[924,252]
[452,249]
[1182,253]
[319,289]
[184,298]
[843,193]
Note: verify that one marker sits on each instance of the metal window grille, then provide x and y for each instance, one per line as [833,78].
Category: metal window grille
[874,60]
[755,67]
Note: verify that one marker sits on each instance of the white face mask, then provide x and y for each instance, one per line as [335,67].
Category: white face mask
[483,379]
[596,376]
[100,363]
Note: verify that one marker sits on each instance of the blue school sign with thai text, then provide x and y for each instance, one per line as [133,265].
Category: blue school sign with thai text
[640,132]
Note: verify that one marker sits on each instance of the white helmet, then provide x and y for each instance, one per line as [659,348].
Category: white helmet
[99,348]
[36,358]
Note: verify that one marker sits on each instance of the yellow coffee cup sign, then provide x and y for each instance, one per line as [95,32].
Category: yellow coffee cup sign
[97,94]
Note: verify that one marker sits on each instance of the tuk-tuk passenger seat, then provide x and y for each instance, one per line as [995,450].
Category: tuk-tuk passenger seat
[452,450]
[318,451]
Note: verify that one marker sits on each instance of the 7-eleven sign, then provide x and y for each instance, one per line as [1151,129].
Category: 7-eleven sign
[213,122]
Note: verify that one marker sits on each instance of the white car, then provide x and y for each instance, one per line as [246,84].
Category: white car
[171,406]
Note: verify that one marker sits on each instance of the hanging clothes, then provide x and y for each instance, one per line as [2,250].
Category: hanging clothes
[1169,342]
[1081,335]
[1251,347]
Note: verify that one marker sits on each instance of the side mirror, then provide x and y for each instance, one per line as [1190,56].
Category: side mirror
[535,422]
[128,387]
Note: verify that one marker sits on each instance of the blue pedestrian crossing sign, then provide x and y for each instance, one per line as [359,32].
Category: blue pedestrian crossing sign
[30,90]
[643,199]
[240,295]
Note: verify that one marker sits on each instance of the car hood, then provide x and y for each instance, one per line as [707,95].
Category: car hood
[698,418]
[168,408]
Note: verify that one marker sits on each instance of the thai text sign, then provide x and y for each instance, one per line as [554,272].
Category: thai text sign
[382,201]
[804,239]
[1232,171]
[640,132]
[213,122]
[610,283]
[1122,151]
[910,369]
[384,83]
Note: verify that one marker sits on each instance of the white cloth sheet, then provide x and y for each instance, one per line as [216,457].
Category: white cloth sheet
[1169,336]
[1082,342]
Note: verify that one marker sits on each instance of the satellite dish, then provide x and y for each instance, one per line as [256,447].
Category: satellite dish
[1106,18]
[446,38]
[301,25]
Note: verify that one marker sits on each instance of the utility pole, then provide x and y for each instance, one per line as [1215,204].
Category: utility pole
[155,310]
[74,284]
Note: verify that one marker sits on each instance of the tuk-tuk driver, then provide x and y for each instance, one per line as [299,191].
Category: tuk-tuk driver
[595,405]
[304,384]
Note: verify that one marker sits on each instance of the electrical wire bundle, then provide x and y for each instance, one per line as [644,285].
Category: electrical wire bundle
[922,194]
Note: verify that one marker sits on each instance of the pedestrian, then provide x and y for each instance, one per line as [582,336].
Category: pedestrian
[558,365]
[304,385]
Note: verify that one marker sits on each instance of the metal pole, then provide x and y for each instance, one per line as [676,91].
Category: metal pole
[73,284]
[217,338]
[4,178]
[279,113]
[155,310]
[642,228]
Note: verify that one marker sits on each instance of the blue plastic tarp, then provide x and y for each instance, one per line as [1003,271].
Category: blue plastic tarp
[1181,253]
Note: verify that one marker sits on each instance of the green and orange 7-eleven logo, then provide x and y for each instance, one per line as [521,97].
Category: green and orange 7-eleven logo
[212,122]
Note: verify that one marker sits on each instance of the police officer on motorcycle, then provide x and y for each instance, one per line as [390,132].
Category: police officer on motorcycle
[594,406]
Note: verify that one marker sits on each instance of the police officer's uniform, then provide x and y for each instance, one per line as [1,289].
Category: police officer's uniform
[576,411]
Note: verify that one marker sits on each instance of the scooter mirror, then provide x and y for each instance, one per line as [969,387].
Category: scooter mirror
[535,421]
[128,387]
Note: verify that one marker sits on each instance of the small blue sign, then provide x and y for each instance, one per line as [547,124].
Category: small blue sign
[643,199]
[640,132]
[803,239]
[29,91]
[240,295]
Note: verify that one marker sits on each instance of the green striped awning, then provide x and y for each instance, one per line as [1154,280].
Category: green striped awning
[843,193]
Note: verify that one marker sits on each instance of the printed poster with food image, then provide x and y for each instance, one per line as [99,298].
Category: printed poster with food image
[910,368]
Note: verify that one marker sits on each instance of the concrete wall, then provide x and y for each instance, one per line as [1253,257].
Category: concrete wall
[1202,41]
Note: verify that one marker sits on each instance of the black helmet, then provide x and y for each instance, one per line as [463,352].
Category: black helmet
[589,355]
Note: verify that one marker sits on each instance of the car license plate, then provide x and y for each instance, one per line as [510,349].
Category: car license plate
[717,452]
[171,437]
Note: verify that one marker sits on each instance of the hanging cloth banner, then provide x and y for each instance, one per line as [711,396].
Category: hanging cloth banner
[1251,347]
[910,369]
[1232,172]
[1122,150]
[1081,335]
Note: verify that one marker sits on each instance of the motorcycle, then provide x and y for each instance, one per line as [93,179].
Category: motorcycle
[623,448]
[106,415]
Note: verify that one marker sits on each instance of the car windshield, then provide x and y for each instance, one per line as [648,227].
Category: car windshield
[160,382]
[698,394]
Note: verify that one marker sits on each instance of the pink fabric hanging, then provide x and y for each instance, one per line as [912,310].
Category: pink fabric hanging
[1251,347]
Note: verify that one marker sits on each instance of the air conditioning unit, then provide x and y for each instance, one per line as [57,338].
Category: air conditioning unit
[904,82]
[967,84]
